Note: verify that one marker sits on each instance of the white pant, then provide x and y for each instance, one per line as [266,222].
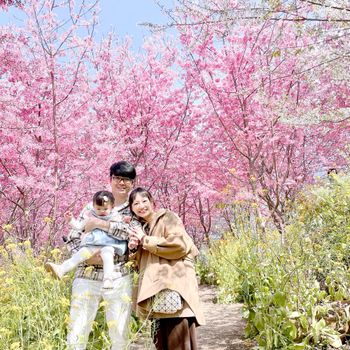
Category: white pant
[86,296]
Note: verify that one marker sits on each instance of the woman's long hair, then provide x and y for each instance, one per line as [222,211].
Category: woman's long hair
[142,192]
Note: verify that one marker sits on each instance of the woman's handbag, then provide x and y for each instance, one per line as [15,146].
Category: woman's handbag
[167,301]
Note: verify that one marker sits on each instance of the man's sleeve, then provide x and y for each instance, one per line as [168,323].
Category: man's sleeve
[120,229]
[73,241]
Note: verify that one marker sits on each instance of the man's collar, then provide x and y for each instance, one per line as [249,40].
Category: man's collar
[122,206]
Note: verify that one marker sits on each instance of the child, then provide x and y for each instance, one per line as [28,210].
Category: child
[96,241]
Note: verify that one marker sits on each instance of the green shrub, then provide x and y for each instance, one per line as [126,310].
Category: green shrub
[34,313]
[295,294]
[34,307]
[224,265]
[204,269]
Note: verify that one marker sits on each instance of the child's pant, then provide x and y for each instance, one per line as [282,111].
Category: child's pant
[107,255]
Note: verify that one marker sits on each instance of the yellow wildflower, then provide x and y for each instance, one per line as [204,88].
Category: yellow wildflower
[7,227]
[128,264]
[56,253]
[103,335]
[3,253]
[89,269]
[103,303]
[232,170]
[45,344]
[112,323]
[227,189]
[15,346]
[126,298]
[11,246]
[9,281]
[48,220]
[64,302]
[5,332]
[15,308]
[67,319]
[26,244]
[87,255]
[48,280]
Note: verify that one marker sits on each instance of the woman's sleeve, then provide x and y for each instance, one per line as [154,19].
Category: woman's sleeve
[175,243]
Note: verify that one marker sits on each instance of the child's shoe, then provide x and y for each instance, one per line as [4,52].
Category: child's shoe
[55,269]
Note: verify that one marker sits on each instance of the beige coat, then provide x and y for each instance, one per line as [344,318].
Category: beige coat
[166,260]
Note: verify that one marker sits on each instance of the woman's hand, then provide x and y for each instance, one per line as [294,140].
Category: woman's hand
[136,236]
[137,232]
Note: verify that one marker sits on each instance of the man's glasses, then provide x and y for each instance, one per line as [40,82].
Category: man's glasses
[120,179]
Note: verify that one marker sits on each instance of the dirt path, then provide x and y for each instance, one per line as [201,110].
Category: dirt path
[224,329]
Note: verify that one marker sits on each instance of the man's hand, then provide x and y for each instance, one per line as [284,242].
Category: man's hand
[127,219]
[93,223]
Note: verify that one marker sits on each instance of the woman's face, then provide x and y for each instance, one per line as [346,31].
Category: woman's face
[142,207]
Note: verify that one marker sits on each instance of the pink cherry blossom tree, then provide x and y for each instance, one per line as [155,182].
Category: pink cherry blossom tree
[244,109]
[74,107]
[264,85]
[152,125]
[4,4]
[45,117]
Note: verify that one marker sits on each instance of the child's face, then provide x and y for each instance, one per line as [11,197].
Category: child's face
[103,210]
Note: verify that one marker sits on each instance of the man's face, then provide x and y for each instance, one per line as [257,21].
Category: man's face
[121,184]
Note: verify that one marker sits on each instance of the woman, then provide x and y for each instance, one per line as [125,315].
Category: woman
[165,259]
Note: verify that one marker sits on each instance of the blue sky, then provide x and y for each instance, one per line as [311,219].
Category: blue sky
[122,16]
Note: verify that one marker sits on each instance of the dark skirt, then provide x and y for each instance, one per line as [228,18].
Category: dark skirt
[175,333]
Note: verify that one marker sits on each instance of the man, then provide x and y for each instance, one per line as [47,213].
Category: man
[87,289]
